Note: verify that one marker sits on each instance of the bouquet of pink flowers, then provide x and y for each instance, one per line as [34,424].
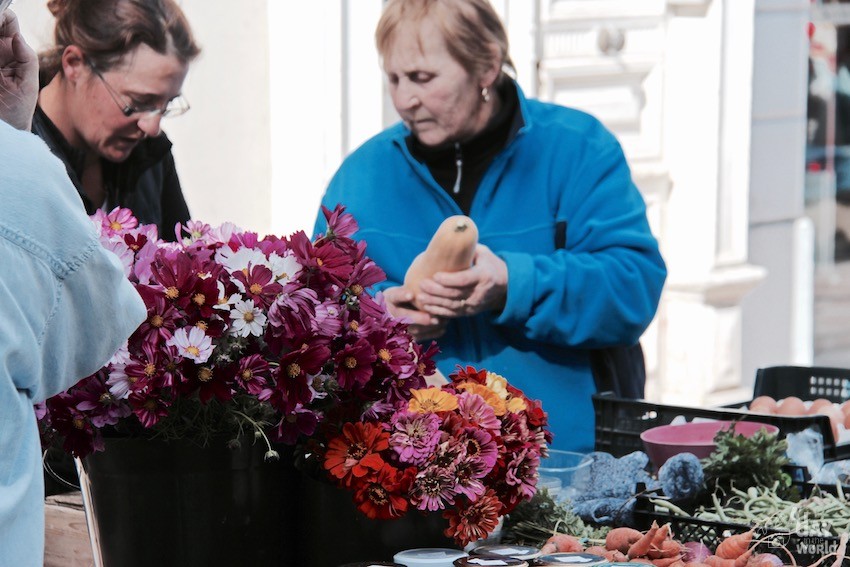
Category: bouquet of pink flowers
[470,448]
[279,338]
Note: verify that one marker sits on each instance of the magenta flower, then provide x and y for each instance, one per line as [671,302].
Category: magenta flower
[299,422]
[354,365]
[281,339]
[433,489]
[413,436]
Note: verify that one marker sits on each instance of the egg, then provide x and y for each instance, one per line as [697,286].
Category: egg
[820,403]
[763,404]
[836,417]
[792,405]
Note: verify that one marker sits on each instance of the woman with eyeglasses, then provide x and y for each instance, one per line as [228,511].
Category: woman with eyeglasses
[116,70]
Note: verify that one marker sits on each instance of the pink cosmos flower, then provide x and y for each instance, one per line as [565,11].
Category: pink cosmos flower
[116,221]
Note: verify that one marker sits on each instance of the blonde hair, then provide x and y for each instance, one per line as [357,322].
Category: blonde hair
[470,28]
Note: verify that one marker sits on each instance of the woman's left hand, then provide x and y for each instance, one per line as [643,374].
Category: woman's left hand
[483,287]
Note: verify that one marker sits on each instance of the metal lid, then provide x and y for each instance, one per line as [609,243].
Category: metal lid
[574,558]
[515,551]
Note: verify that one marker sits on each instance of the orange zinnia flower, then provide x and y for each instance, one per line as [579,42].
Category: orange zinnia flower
[491,397]
[431,400]
[356,452]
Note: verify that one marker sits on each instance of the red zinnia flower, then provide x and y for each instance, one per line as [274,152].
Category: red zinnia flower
[356,452]
[385,496]
[474,521]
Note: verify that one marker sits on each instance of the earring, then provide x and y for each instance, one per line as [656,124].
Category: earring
[485,94]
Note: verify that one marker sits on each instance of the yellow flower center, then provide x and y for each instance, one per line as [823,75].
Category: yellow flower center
[199,299]
[350,362]
[354,325]
[384,355]
[356,289]
[248,317]
[105,398]
[293,370]
[202,325]
[193,350]
[172,293]
[150,369]
[256,289]
[247,374]
[319,262]
[205,374]
[115,225]
[79,423]
[157,321]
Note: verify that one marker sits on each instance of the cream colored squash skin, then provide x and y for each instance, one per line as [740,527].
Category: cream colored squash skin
[451,249]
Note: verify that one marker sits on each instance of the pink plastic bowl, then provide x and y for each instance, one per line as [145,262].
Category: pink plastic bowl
[664,441]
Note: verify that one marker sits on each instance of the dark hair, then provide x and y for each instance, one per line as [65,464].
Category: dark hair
[469,27]
[106,30]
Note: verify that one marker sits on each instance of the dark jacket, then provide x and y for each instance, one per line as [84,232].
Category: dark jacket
[146,182]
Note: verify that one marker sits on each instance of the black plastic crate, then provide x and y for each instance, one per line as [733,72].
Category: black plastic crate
[806,549]
[620,421]
[805,382]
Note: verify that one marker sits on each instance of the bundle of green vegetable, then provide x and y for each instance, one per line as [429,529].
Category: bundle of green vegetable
[742,462]
[534,521]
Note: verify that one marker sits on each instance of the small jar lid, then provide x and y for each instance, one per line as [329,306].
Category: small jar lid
[516,551]
[489,561]
[574,558]
[428,557]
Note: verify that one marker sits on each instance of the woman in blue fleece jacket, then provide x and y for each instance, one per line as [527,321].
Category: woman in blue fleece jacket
[566,261]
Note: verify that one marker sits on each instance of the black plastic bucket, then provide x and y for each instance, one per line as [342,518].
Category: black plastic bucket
[179,504]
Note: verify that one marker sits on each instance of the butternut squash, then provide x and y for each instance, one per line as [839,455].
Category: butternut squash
[451,249]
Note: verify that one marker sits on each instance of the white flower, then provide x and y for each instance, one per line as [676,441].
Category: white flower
[121,357]
[194,344]
[119,384]
[284,268]
[226,302]
[241,259]
[247,319]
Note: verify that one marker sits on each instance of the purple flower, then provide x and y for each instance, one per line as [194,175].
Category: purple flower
[433,489]
[475,410]
[414,436]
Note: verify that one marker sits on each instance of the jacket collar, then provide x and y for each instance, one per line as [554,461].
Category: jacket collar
[147,153]
[522,120]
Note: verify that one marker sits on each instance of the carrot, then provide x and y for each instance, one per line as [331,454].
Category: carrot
[733,546]
[596,550]
[641,546]
[561,543]
[661,535]
[741,560]
[621,539]
[667,548]
[667,561]
[615,556]
[716,561]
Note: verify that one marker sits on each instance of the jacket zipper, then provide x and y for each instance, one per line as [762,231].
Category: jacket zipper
[459,164]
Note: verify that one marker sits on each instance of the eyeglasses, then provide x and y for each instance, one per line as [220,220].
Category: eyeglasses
[174,107]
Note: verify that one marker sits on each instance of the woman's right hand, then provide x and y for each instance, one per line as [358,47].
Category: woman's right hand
[422,326]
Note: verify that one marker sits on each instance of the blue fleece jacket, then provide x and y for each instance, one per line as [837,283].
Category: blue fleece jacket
[600,288]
